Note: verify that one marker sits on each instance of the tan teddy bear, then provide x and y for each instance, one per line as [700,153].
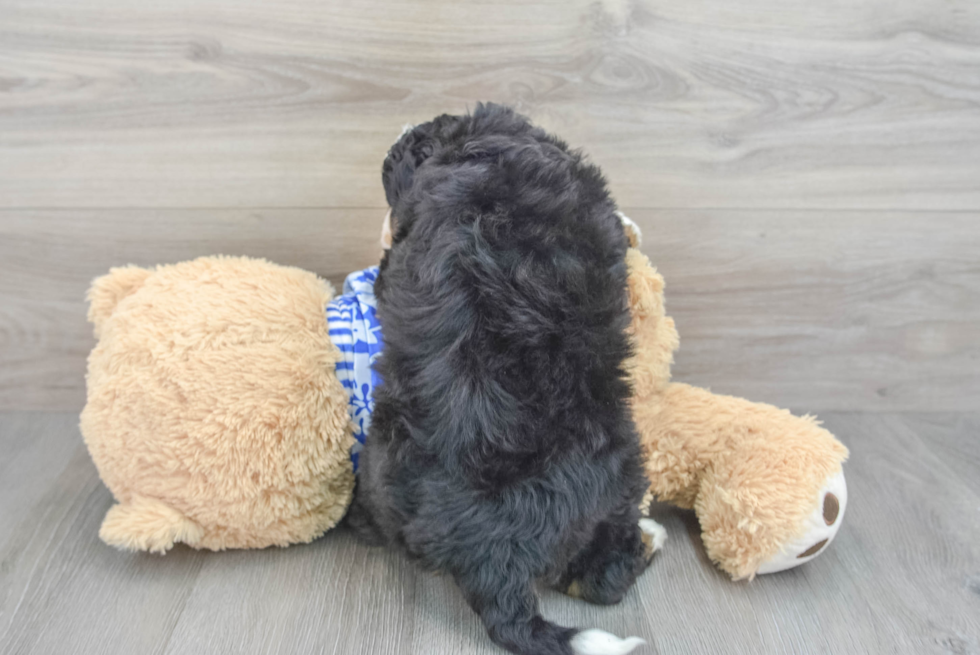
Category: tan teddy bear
[216,419]
[767,486]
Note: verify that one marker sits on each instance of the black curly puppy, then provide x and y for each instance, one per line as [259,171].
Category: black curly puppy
[502,448]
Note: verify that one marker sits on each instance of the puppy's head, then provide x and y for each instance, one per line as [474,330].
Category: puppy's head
[414,146]
[447,134]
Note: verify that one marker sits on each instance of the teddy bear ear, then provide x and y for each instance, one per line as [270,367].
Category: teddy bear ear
[106,292]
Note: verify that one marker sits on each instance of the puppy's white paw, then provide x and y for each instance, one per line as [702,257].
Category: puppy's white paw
[600,642]
[654,535]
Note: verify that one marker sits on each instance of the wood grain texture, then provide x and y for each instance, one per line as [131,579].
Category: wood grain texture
[778,103]
[903,575]
[815,311]
[61,589]
[48,259]
[955,440]
[824,311]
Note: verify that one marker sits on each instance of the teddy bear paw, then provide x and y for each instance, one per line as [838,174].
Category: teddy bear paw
[821,527]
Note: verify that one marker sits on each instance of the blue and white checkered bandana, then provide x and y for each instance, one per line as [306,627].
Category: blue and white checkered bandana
[353,326]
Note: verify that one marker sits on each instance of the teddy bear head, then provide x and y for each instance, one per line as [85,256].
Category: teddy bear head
[213,413]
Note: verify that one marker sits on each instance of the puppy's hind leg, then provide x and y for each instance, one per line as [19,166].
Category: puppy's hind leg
[360,519]
[620,550]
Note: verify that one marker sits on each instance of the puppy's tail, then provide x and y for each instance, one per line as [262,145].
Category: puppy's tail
[544,638]
[512,620]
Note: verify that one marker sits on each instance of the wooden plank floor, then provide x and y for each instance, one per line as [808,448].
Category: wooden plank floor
[903,576]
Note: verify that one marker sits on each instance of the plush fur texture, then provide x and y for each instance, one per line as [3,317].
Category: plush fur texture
[214,415]
[502,448]
[752,472]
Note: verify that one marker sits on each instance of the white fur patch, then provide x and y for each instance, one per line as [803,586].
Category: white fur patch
[386,231]
[628,224]
[600,642]
[653,528]
[406,128]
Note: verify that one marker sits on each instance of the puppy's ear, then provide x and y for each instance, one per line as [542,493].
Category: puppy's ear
[414,146]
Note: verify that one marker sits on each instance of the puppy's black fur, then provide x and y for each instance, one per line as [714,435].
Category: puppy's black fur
[502,448]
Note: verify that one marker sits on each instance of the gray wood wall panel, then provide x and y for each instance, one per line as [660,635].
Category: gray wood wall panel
[867,104]
[809,309]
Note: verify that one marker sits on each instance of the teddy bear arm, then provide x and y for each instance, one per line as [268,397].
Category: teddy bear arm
[148,524]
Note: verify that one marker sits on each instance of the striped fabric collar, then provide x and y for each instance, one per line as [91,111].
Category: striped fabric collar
[354,328]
